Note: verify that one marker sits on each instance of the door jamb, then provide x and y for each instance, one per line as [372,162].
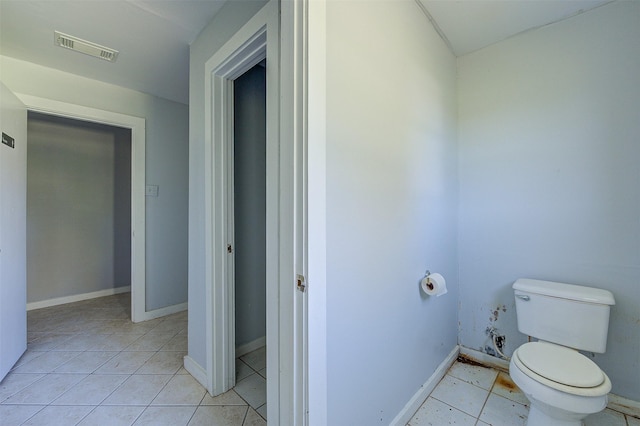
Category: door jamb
[137,127]
[257,39]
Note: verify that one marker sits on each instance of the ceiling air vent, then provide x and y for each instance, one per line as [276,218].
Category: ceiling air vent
[86,47]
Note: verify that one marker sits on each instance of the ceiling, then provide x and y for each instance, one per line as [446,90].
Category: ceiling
[469,25]
[153,36]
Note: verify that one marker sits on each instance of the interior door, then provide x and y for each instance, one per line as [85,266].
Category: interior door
[13,230]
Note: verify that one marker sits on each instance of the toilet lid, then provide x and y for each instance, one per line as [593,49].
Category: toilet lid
[560,364]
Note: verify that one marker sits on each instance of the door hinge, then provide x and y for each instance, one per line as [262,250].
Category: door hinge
[300,285]
[229,248]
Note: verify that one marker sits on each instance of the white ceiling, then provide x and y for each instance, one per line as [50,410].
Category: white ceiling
[153,36]
[469,25]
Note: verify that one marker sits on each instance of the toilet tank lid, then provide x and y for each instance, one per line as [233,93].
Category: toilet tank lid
[565,291]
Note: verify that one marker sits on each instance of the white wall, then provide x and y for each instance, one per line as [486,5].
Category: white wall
[226,22]
[549,131]
[391,195]
[78,208]
[166,164]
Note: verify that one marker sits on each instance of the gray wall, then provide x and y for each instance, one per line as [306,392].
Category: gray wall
[250,204]
[78,207]
[167,165]
[549,148]
[391,196]
[226,22]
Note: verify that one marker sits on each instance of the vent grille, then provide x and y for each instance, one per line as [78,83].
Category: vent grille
[86,47]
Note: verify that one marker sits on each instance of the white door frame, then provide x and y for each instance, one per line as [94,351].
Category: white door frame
[257,39]
[137,126]
[254,42]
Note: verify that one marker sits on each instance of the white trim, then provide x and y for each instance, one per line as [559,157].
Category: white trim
[317,212]
[425,390]
[251,346]
[138,140]
[77,297]
[198,373]
[624,405]
[257,39]
[485,359]
[294,349]
[167,310]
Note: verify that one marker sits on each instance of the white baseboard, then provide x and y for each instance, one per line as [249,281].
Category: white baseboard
[77,297]
[425,390]
[198,373]
[162,312]
[485,359]
[251,346]
[624,405]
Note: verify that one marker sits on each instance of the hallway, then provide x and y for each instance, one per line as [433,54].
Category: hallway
[88,364]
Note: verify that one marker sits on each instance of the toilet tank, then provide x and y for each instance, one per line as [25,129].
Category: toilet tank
[566,314]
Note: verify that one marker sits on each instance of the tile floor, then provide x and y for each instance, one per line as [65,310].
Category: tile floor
[475,395]
[88,364]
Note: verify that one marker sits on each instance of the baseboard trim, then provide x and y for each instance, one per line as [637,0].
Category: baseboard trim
[198,373]
[425,390]
[485,359]
[251,346]
[167,310]
[624,405]
[77,297]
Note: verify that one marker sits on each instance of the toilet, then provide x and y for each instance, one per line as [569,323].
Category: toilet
[563,385]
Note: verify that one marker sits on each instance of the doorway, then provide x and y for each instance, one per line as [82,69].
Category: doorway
[136,125]
[249,234]
[78,210]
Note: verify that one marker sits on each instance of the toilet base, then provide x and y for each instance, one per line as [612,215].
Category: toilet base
[537,417]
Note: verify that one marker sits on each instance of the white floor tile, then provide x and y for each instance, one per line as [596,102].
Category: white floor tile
[633,421]
[505,387]
[219,416]
[227,398]
[437,413]
[13,383]
[242,370]
[263,411]
[253,419]
[163,363]
[11,415]
[112,416]
[476,375]
[85,362]
[256,359]
[125,363]
[150,342]
[499,411]
[177,343]
[91,391]
[138,390]
[46,363]
[166,416]
[606,417]
[59,416]
[253,389]
[45,390]
[461,395]
[181,390]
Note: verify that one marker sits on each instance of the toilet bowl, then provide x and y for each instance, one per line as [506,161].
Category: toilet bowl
[554,403]
[562,385]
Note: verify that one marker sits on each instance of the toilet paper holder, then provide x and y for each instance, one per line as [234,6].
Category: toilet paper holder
[429,283]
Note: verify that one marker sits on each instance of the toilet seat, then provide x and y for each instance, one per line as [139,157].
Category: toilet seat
[561,364]
[554,365]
